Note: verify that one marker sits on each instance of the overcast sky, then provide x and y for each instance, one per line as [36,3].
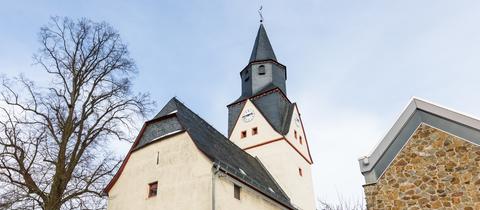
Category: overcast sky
[352,65]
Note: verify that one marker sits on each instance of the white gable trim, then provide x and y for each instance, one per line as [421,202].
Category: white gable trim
[303,131]
[367,163]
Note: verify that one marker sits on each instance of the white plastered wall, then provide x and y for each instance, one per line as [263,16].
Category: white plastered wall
[296,125]
[249,198]
[279,157]
[304,185]
[265,131]
[283,163]
[183,175]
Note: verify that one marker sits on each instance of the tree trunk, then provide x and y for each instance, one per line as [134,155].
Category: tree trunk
[53,203]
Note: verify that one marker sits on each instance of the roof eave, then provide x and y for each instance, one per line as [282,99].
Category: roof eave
[261,94]
[367,163]
[227,172]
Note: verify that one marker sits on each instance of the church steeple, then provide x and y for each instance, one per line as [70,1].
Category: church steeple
[263,72]
[262,49]
[267,125]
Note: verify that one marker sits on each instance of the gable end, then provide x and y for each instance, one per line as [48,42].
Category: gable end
[373,166]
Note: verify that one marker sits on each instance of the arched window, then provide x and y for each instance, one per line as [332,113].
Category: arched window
[261,70]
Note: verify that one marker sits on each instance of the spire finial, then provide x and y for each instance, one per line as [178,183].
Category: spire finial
[260,13]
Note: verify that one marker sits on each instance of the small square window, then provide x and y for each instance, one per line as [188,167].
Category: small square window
[243,134]
[295,134]
[300,172]
[152,189]
[236,191]
[300,139]
[254,131]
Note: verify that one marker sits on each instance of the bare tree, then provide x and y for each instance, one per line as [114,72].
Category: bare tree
[53,139]
[342,204]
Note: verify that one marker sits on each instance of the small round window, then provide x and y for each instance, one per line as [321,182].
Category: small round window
[261,70]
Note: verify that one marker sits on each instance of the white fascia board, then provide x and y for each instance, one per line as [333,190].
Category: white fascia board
[368,162]
[448,113]
[168,134]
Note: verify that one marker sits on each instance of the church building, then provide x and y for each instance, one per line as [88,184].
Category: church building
[179,161]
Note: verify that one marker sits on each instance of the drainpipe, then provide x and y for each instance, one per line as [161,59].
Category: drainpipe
[215,170]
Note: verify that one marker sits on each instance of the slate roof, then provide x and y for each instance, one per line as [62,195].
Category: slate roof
[277,110]
[267,88]
[222,151]
[156,130]
[274,106]
[262,49]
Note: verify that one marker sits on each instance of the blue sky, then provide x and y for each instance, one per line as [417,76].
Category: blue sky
[352,65]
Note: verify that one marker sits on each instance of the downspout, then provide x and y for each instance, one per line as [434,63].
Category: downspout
[215,170]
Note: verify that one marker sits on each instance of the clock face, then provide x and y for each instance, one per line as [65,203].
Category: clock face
[297,121]
[248,115]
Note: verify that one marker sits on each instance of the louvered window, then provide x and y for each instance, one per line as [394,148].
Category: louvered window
[261,70]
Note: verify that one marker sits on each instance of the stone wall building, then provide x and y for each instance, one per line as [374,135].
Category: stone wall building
[430,159]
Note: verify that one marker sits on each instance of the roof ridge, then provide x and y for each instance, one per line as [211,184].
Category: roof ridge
[169,108]
[265,91]
[201,119]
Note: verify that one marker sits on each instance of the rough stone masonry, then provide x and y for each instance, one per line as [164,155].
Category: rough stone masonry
[434,170]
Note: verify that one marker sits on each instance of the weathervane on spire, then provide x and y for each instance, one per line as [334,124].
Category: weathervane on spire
[260,13]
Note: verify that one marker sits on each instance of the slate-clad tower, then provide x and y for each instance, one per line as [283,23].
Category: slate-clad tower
[267,125]
[263,70]
[263,74]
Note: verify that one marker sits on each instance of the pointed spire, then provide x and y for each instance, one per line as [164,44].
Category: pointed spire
[262,49]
